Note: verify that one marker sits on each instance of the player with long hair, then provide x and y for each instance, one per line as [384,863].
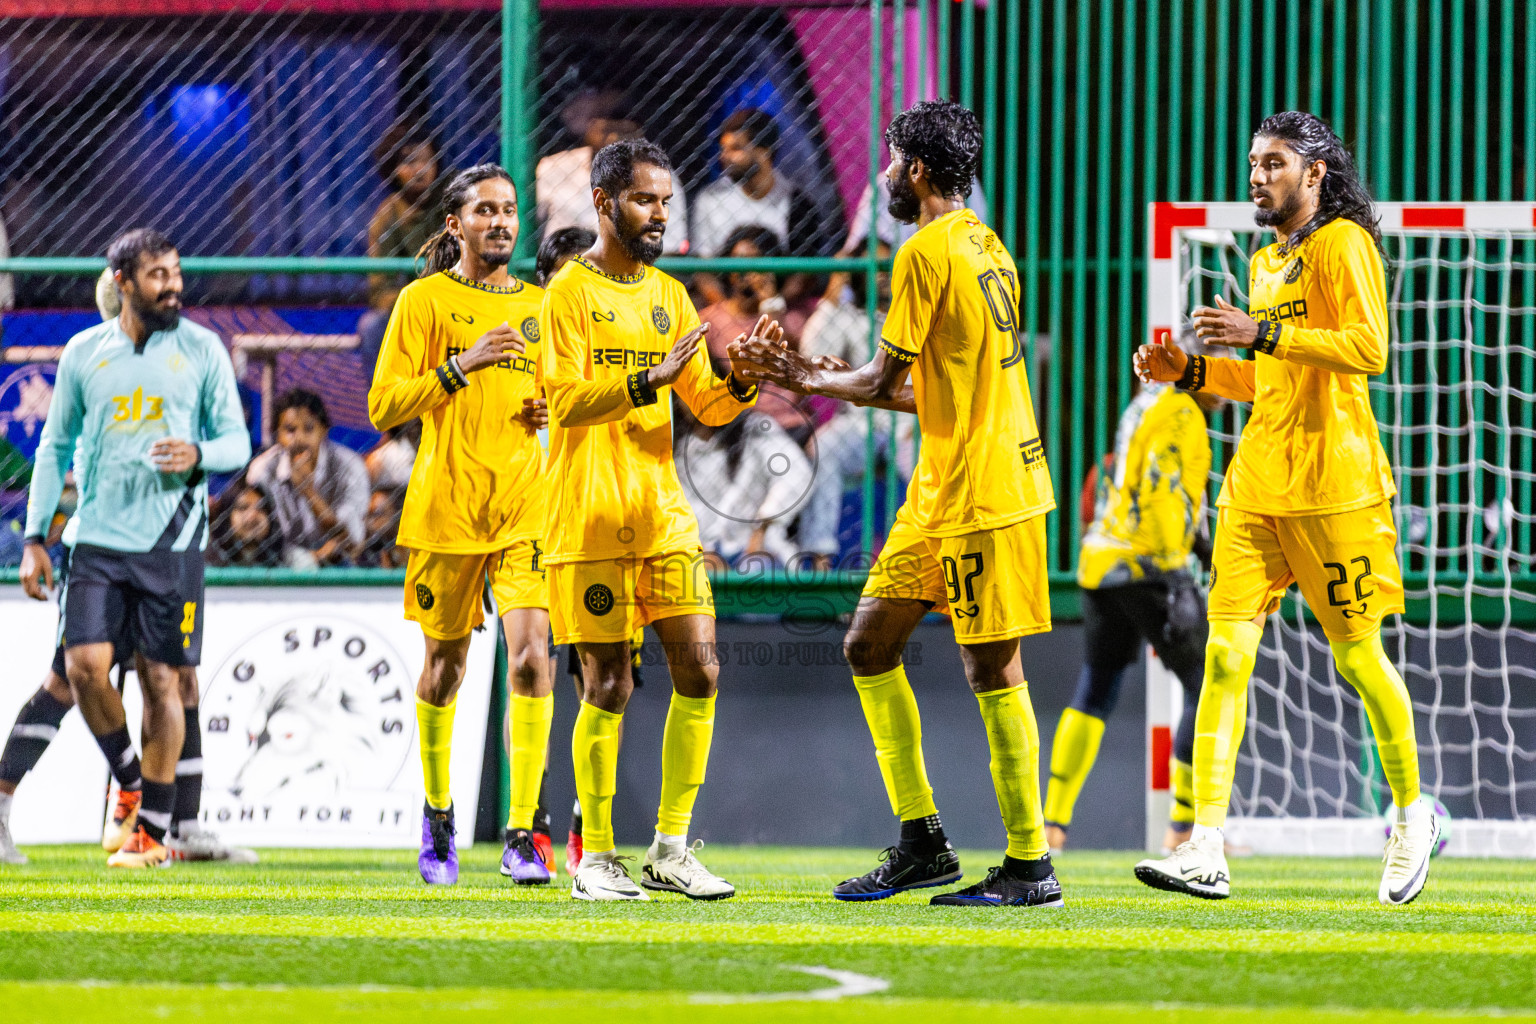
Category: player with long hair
[1308,496]
[461,353]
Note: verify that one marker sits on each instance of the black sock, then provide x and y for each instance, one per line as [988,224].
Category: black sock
[1027,870]
[155,811]
[576,819]
[541,812]
[189,776]
[117,748]
[36,726]
[922,835]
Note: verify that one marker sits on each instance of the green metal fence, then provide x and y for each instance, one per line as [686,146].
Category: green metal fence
[1091,110]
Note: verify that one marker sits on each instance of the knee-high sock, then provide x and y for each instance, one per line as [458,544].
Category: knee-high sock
[189,776]
[36,725]
[891,710]
[1014,740]
[530,743]
[122,760]
[595,752]
[684,758]
[436,728]
[1222,715]
[1182,812]
[1072,756]
[1381,689]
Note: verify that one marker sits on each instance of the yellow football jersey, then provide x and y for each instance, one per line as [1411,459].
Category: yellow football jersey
[478,483]
[1311,445]
[954,317]
[1147,510]
[614,491]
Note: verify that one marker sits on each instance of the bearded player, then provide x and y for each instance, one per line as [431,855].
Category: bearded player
[621,541]
[461,353]
[1307,498]
[971,534]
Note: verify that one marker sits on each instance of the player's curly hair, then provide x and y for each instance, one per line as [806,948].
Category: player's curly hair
[442,250]
[559,246]
[1343,193]
[946,137]
[613,168]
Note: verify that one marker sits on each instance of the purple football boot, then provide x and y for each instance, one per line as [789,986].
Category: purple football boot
[439,860]
[521,860]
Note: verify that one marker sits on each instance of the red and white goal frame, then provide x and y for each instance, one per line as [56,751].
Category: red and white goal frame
[1166,222]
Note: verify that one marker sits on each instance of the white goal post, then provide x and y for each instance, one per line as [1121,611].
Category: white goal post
[1456,411]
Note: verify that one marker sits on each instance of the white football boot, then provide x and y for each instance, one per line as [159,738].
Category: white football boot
[602,878]
[676,868]
[1409,848]
[1198,868]
[201,844]
[8,852]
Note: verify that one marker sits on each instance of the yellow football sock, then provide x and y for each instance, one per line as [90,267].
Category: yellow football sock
[1221,716]
[684,758]
[891,710]
[595,752]
[1381,689]
[435,726]
[529,718]
[1072,755]
[1183,810]
[1014,740]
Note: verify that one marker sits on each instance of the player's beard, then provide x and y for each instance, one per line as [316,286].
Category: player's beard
[636,244]
[904,205]
[495,259]
[153,317]
[1280,212]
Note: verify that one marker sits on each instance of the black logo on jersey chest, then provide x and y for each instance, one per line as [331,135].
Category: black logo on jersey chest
[530,329]
[1293,271]
[660,320]
[463,318]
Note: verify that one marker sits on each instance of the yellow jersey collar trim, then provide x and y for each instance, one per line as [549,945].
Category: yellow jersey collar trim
[620,278]
[512,289]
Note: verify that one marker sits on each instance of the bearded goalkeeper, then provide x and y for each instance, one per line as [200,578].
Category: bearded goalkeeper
[1307,499]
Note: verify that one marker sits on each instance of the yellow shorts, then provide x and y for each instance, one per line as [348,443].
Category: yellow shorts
[445,592]
[607,601]
[1345,564]
[994,584]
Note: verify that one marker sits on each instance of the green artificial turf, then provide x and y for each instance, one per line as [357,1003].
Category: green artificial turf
[354,935]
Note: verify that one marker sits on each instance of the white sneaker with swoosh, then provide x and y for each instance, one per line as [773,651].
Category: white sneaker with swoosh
[682,872]
[1406,857]
[1195,868]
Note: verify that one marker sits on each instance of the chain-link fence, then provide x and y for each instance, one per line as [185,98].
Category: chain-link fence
[289,148]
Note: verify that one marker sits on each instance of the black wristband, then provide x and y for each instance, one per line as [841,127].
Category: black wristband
[1194,375]
[742,391]
[451,377]
[199,460]
[1269,337]
[641,393]
[36,538]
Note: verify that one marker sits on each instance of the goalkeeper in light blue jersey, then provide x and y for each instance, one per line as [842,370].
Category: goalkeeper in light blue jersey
[151,402]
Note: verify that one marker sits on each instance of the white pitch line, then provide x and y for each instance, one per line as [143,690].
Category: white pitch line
[848,984]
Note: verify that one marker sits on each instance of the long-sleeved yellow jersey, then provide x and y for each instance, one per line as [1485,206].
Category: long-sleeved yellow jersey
[614,490]
[1311,446]
[1148,510]
[478,483]
[954,317]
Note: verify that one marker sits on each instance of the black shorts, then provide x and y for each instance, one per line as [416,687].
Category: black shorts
[1168,613]
[154,597]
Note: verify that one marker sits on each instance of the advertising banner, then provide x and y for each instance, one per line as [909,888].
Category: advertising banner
[308,712]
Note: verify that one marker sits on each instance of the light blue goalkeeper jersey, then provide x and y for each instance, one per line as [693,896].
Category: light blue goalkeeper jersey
[115,403]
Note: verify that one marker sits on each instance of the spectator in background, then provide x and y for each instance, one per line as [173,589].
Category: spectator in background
[557,250]
[563,181]
[406,158]
[746,481]
[243,530]
[379,550]
[320,488]
[748,295]
[7,286]
[751,191]
[391,460]
[839,330]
